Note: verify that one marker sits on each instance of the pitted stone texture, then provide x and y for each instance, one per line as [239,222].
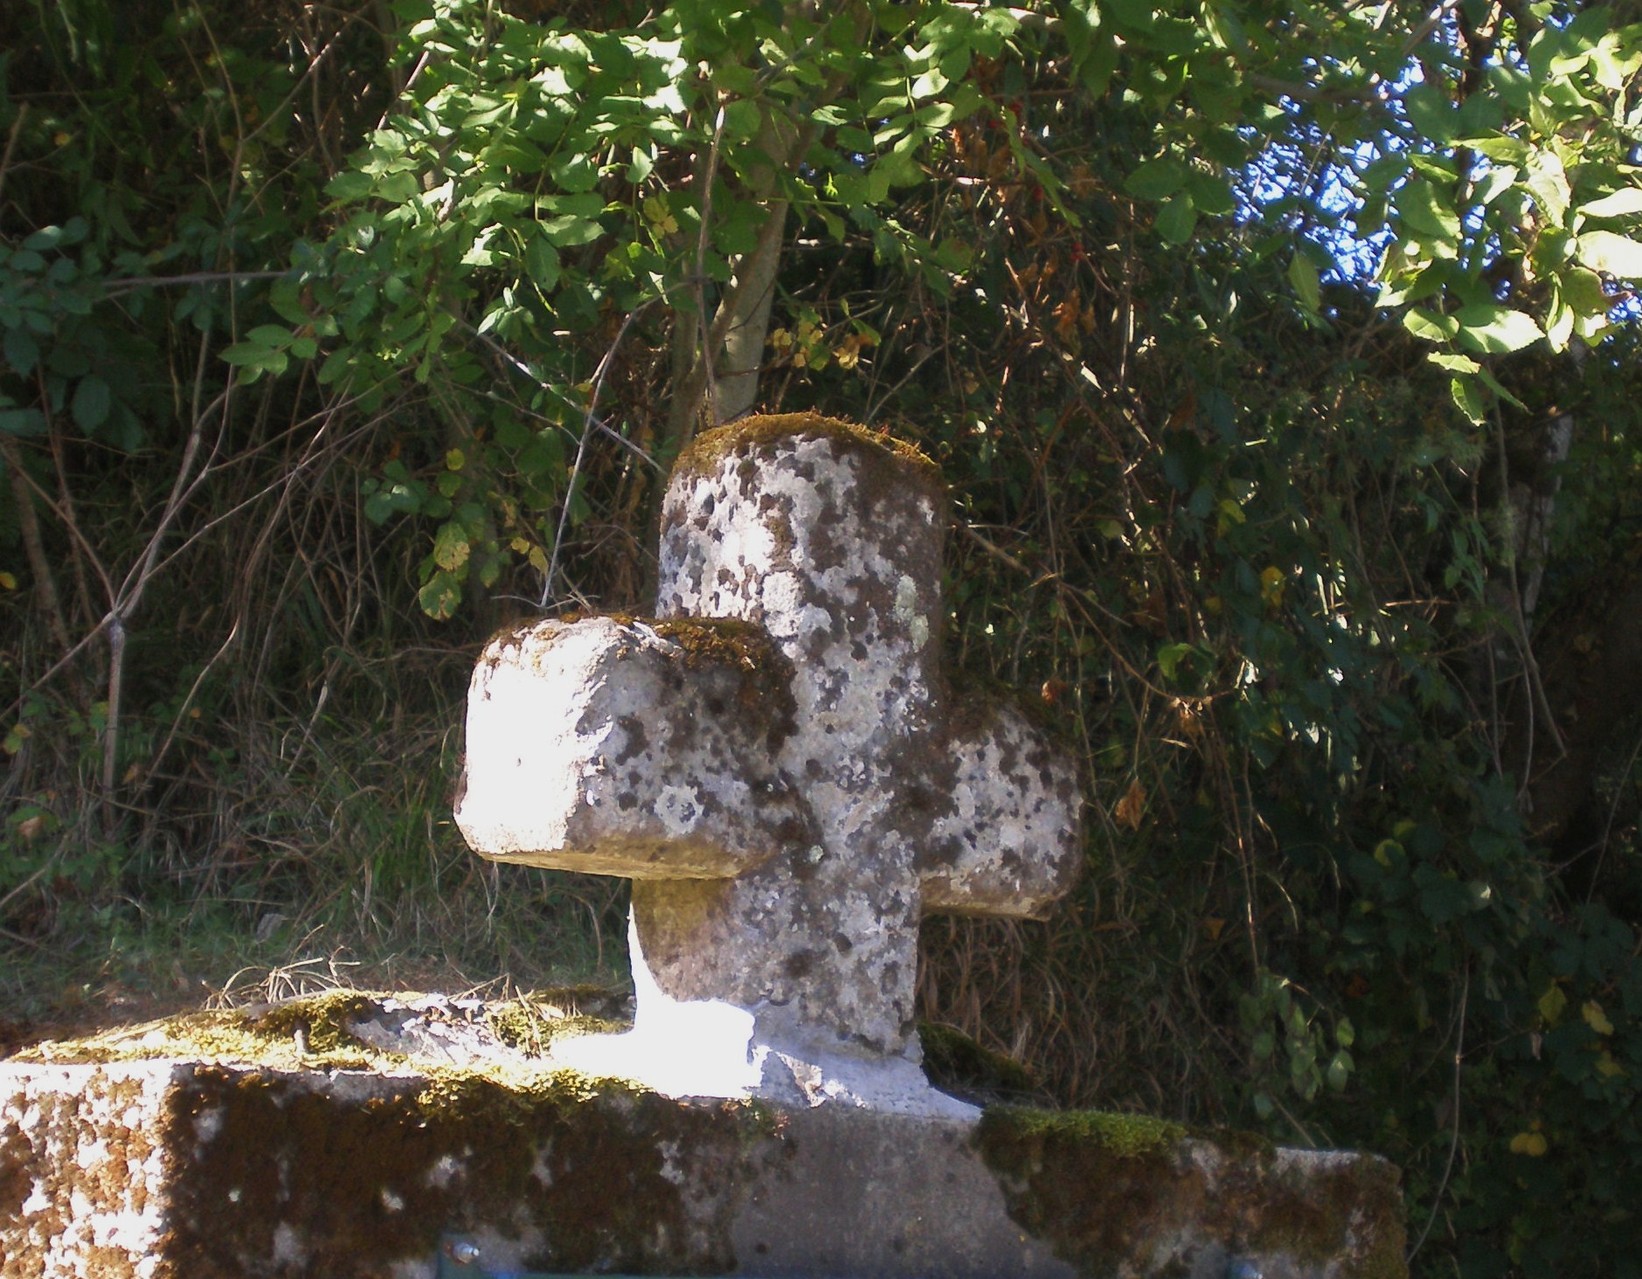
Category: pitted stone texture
[864,803]
[183,1169]
[82,1172]
[604,746]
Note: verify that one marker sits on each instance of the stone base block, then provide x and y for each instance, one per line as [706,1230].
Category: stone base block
[176,1169]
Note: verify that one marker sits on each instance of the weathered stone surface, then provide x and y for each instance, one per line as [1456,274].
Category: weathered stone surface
[617,748]
[362,1161]
[788,810]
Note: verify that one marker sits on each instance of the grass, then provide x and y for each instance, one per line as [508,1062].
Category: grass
[342,868]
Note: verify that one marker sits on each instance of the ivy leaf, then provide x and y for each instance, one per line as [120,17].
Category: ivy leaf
[451,547]
[1595,1018]
[1552,1003]
[1532,1144]
[440,596]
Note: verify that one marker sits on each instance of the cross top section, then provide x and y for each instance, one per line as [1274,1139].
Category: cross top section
[777,762]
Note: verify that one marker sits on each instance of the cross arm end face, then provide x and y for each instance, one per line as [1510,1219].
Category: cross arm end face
[1010,839]
[605,746]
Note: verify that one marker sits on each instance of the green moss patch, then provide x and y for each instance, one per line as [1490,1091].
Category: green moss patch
[956,1064]
[586,1175]
[1131,1194]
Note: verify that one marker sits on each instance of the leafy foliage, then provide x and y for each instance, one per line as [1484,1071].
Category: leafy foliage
[353,341]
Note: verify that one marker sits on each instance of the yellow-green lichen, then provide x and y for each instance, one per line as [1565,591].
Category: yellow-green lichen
[723,641]
[718,641]
[304,1032]
[322,1032]
[710,447]
[530,1022]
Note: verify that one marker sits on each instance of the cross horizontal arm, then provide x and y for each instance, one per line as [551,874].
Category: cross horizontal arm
[1007,842]
[629,748]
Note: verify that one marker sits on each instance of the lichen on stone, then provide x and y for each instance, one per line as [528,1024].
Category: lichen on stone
[530,1022]
[705,452]
[1133,1194]
[350,1030]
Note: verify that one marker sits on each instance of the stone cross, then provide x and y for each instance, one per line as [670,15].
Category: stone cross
[779,764]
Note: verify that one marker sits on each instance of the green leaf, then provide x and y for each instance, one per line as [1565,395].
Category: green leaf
[1211,194]
[1469,398]
[569,230]
[1169,657]
[440,596]
[350,186]
[21,350]
[1583,292]
[285,296]
[1430,325]
[1496,330]
[1607,251]
[1623,203]
[1177,219]
[1431,112]
[22,423]
[1302,275]
[378,504]
[92,400]
[742,119]
[56,237]
[1493,384]
[1425,213]
[249,354]
[1157,179]
[1547,182]
[1501,148]
[1499,180]
[451,547]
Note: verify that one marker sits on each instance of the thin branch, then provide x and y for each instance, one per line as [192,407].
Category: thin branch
[11,143]
[581,452]
[1454,1134]
[130,283]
